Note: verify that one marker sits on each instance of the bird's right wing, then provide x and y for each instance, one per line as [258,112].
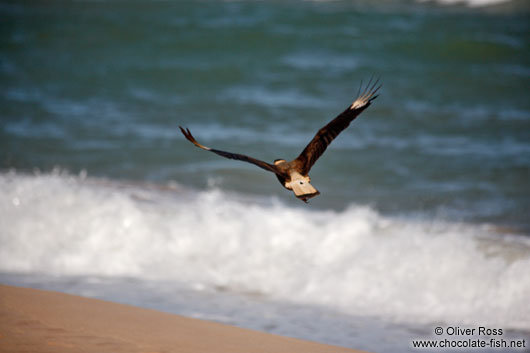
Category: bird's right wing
[236,156]
[317,146]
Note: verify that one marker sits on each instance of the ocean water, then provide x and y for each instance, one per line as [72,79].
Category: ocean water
[424,214]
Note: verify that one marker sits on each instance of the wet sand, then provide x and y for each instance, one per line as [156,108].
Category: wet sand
[42,321]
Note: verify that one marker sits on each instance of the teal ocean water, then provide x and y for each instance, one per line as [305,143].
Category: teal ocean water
[430,181]
[102,87]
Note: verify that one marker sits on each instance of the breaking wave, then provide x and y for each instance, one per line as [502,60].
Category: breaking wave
[356,260]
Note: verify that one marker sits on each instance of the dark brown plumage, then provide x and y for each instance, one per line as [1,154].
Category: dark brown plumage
[293,175]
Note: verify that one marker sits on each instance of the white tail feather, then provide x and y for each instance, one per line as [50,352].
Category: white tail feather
[301,187]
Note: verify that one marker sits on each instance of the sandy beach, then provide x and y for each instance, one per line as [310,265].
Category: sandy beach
[43,321]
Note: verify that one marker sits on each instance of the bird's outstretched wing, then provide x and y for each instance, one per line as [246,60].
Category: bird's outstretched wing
[236,156]
[325,135]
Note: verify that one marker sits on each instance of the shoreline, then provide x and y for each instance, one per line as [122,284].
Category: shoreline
[45,321]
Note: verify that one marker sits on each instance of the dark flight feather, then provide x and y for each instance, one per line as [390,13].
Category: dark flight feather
[317,146]
[236,156]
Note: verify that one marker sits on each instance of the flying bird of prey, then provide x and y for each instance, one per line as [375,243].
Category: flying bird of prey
[293,175]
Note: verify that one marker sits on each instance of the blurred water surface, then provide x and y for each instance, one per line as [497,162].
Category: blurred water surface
[102,86]
[425,200]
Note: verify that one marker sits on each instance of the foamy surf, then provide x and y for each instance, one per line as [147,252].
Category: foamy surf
[470,3]
[356,261]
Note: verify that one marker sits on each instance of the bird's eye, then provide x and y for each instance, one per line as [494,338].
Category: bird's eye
[301,182]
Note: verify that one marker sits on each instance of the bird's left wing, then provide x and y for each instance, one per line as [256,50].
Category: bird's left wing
[327,134]
[236,156]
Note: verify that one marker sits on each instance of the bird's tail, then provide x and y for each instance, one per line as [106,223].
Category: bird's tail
[302,188]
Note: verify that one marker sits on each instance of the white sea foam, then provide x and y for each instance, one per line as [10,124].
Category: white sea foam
[356,261]
[471,3]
